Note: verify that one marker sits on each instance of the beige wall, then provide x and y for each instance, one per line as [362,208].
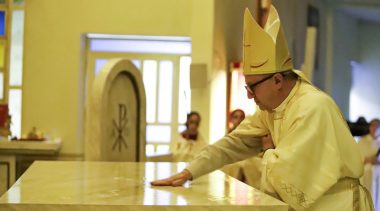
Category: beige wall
[202,35]
[366,77]
[53,57]
[53,74]
[345,50]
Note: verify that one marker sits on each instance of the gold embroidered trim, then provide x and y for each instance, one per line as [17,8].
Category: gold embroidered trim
[343,184]
[299,196]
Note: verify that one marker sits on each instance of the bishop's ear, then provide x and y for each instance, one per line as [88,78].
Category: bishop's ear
[278,78]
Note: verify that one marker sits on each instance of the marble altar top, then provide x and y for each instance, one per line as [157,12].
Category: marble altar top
[76,185]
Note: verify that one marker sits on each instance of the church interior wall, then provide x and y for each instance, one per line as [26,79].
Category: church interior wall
[53,64]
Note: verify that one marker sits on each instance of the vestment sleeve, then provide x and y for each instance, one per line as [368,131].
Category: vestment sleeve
[242,143]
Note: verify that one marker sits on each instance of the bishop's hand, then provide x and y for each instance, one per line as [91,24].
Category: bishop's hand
[175,180]
[267,142]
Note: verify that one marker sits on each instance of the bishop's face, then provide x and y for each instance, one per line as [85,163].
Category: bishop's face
[261,89]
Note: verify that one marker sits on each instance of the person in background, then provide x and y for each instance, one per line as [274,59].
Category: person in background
[190,141]
[369,147]
[249,170]
[236,117]
[236,169]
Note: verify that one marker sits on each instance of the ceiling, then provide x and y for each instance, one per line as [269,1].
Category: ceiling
[364,13]
[365,10]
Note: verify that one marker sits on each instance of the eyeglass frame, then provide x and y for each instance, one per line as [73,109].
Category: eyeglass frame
[251,88]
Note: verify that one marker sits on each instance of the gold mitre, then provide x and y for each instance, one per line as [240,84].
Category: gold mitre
[265,50]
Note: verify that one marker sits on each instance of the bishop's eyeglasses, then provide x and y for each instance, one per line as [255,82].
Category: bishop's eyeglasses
[251,88]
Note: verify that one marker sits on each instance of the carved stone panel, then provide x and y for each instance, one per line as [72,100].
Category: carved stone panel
[121,120]
[116,122]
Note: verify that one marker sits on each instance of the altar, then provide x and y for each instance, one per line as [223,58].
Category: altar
[77,185]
